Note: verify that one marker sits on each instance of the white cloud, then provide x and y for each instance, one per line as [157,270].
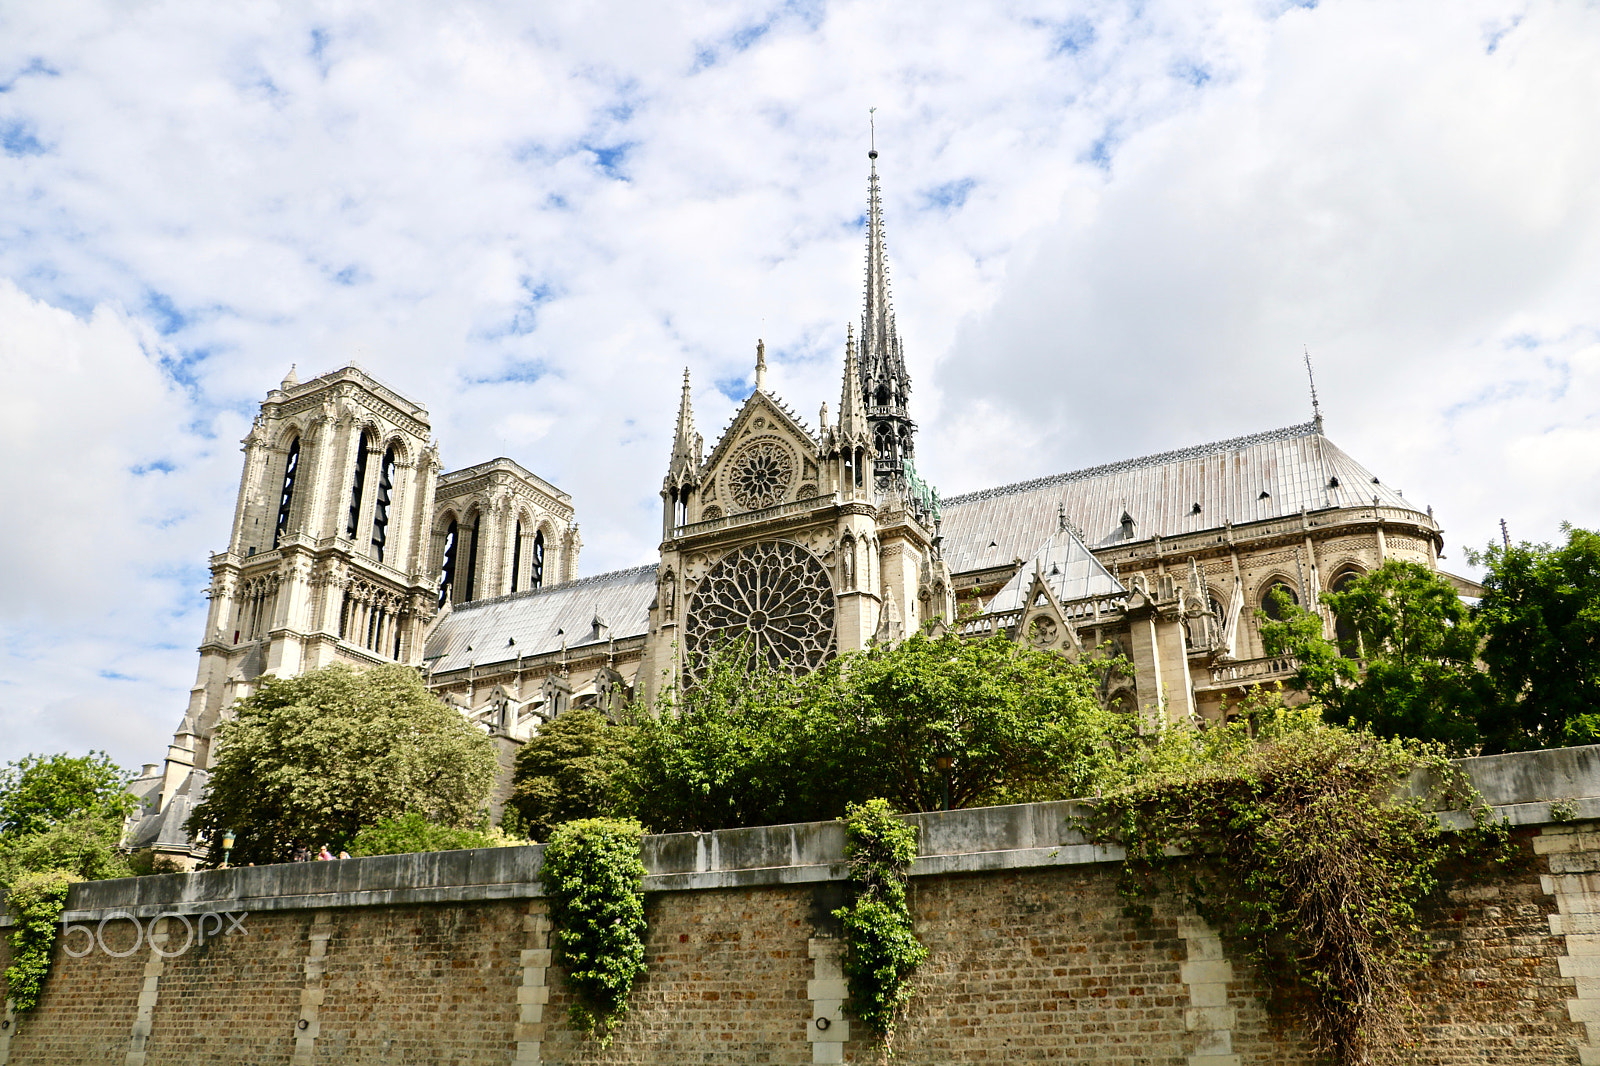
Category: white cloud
[1112,226]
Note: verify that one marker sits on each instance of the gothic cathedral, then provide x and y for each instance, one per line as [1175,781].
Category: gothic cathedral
[351,544]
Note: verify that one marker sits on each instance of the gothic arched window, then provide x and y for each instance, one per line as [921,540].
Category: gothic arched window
[883,396]
[536,578]
[472,558]
[516,556]
[380,513]
[356,487]
[286,498]
[447,575]
[1345,634]
[885,441]
[1269,602]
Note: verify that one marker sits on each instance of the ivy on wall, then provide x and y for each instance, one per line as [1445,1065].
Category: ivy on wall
[594,877]
[881,947]
[1303,845]
[36,901]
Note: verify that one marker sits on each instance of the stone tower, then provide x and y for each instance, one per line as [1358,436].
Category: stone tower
[328,560]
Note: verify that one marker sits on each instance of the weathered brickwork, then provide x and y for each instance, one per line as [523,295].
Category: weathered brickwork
[434,984]
[87,1011]
[1041,965]
[232,996]
[1026,963]
[727,984]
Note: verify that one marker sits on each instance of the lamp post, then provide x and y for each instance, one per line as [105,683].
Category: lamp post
[944,763]
[227,847]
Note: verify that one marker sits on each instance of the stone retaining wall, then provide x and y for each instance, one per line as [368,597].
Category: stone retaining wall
[445,958]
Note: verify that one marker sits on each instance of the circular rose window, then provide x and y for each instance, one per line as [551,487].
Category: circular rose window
[774,597]
[761,475]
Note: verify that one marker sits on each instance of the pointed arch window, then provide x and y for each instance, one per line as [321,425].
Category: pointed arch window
[291,469]
[380,513]
[356,486]
[472,559]
[536,578]
[447,575]
[516,556]
[1345,634]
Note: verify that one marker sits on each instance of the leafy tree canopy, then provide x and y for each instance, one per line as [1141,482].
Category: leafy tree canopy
[38,792]
[574,768]
[748,745]
[412,832]
[63,813]
[1016,723]
[315,758]
[1418,646]
[1540,617]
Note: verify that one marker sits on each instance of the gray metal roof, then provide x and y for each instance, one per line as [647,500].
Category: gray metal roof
[1247,479]
[1067,567]
[533,623]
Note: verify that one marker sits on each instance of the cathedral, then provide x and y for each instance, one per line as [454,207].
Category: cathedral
[350,543]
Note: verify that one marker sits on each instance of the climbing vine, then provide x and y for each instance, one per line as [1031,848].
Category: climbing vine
[594,877]
[1304,845]
[881,947]
[36,901]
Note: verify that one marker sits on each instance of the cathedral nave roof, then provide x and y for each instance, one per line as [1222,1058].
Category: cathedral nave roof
[503,628]
[1246,479]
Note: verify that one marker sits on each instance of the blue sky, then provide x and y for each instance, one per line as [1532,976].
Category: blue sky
[1113,227]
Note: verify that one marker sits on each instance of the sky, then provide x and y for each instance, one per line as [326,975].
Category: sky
[1114,228]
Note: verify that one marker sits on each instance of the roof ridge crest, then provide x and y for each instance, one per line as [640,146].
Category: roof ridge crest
[1304,429]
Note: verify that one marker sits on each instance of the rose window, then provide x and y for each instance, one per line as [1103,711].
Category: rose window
[761,475]
[775,597]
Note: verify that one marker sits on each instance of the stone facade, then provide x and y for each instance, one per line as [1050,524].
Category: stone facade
[350,544]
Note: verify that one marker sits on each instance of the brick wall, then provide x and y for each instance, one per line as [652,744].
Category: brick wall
[444,960]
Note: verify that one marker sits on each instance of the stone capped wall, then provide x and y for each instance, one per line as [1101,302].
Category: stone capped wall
[447,958]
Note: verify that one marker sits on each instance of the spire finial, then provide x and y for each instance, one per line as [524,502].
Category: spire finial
[683,444]
[1316,408]
[761,365]
[872,133]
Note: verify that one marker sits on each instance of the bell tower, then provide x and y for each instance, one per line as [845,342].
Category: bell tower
[328,557]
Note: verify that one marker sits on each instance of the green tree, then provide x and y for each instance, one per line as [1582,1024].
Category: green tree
[745,745]
[63,812]
[573,768]
[316,758]
[1018,724]
[1418,674]
[749,745]
[61,820]
[1540,617]
[413,832]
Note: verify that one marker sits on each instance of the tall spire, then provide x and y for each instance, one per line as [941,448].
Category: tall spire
[683,445]
[852,412]
[1316,408]
[877,323]
[885,385]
